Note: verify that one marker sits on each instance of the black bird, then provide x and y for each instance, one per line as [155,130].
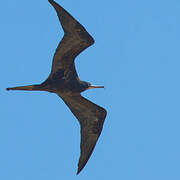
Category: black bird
[64,81]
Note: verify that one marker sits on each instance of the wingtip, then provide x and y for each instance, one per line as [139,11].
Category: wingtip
[50,1]
[54,3]
[80,167]
[78,171]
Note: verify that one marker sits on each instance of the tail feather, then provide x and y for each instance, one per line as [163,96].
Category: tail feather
[25,88]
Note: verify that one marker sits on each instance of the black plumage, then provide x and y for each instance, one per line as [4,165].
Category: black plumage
[64,81]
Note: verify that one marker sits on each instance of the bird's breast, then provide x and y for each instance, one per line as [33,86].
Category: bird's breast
[62,85]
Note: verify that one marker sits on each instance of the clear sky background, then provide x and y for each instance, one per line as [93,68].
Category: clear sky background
[136,57]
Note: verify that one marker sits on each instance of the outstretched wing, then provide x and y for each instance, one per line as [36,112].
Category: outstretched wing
[75,40]
[91,118]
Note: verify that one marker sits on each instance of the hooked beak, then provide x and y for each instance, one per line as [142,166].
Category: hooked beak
[93,87]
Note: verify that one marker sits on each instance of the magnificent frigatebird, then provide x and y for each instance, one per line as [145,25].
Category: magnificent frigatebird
[64,81]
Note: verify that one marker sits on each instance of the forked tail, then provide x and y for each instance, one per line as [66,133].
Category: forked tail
[26,88]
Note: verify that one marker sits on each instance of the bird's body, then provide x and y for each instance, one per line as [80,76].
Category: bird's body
[64,81]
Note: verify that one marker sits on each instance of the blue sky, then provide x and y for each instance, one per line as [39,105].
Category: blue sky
[136,57]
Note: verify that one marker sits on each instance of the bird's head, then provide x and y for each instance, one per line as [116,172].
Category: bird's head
[87,85]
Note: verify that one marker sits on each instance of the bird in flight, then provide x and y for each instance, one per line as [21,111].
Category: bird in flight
[64,81]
